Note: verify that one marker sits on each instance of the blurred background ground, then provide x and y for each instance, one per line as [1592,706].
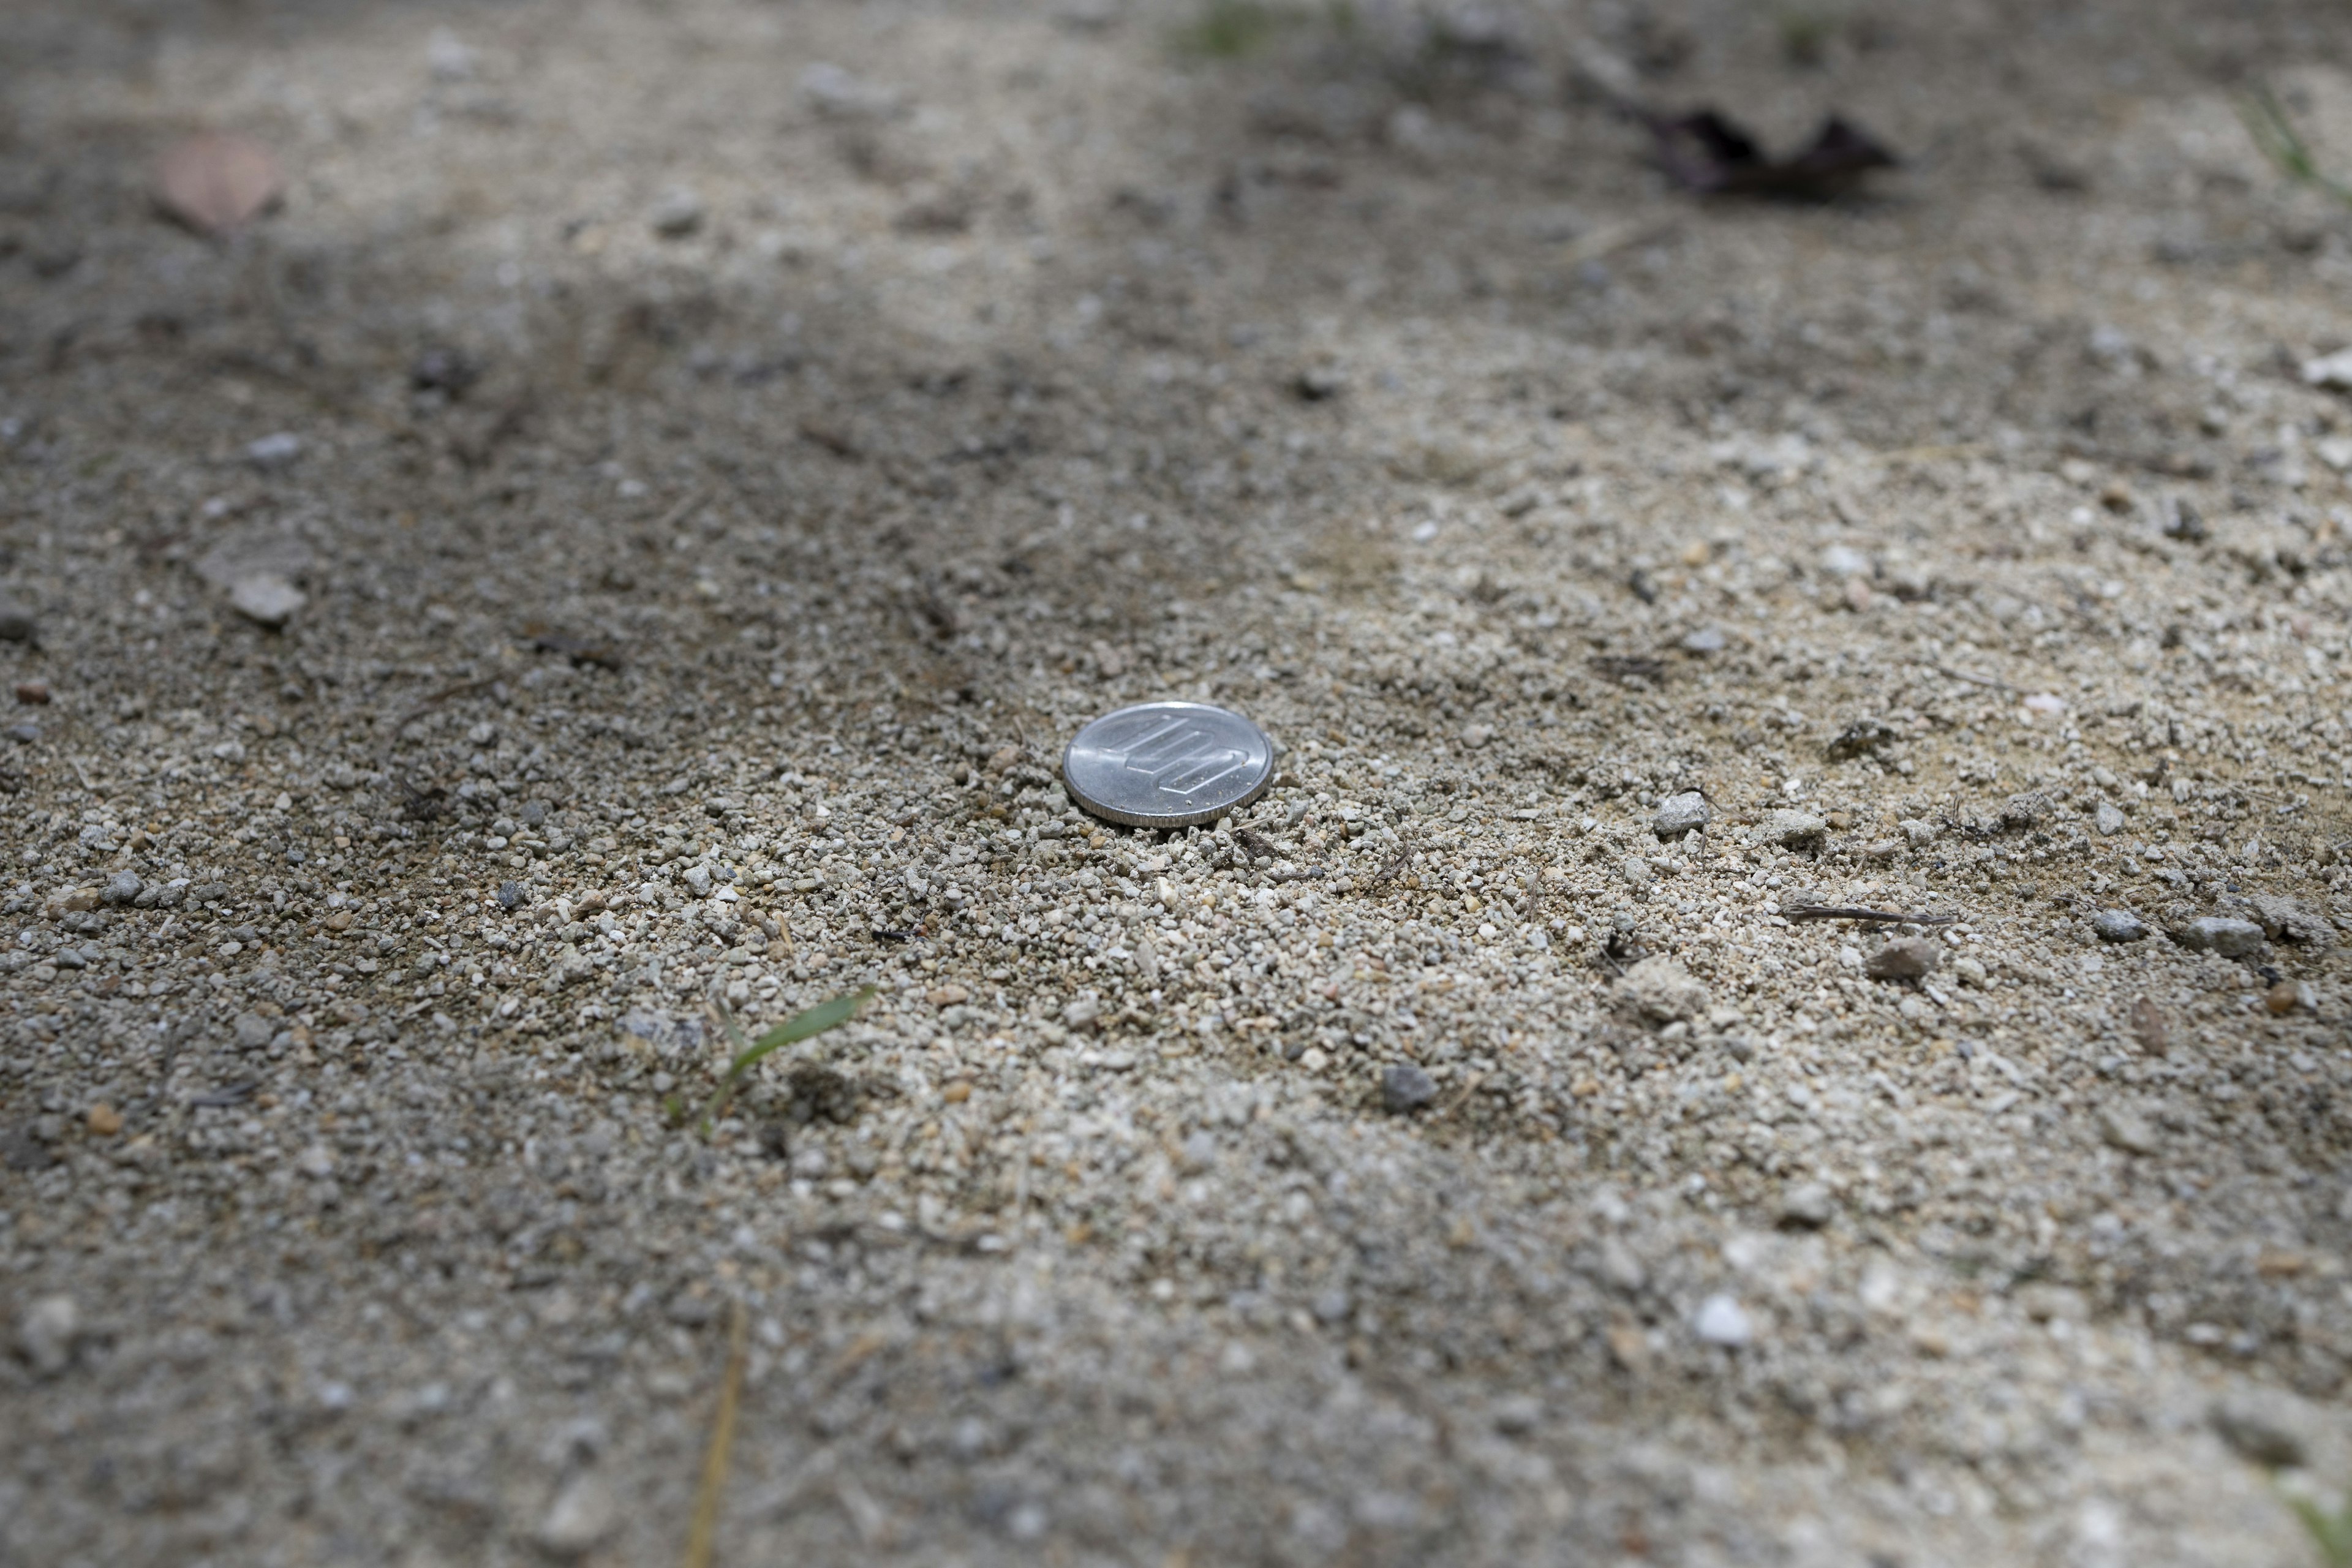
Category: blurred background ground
[629,532]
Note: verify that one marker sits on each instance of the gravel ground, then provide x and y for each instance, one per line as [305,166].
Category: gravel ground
[622,547]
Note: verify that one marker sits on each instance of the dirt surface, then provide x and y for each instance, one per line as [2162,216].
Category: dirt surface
[622,544]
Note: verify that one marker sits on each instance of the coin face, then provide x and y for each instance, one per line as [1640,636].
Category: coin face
[1167,764]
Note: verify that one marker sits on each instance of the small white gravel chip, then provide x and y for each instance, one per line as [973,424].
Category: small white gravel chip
[275,450]
[1808,1205]
[1722,1321]
[2110,819]
[266,598]
[2330,372]
[46,1331]
[582,1514]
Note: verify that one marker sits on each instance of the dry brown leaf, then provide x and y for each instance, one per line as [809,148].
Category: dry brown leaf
[213,181]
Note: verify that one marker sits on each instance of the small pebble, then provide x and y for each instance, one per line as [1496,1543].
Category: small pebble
[1678,813]
[2265,1426]
[1722,1321]
[1790,828]
[2127,1130]
[1661,991]
[46,1333]
[274,451]
[582,1514]
[1904,958]
[2119,925]
[16,622]
[509,895]
[2110,820]
[1706,640]
[104,1120]
[266,599]
[1404,1089]
[33,693]
[2220,934]
[2291,997]
[677,214]
[1808,1205]
[122,889]
[1516,1415]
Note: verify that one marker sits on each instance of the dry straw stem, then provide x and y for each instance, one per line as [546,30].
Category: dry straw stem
[705,1528]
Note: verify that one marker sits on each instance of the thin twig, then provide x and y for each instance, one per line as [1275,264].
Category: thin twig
[676,514]
[1469,1087]
[1867,916]
[1610,238]
[1984,680]
[447,694]
[698,1537]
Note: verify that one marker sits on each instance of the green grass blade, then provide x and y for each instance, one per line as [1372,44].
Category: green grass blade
[799,1026]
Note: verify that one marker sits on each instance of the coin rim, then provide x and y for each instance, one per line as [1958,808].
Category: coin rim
[1087,803]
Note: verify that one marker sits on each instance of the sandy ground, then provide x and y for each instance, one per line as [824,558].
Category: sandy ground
[707,458]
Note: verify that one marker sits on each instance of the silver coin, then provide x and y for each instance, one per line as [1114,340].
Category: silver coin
[1167,764]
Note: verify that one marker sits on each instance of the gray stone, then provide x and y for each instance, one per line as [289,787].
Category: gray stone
[2265,1426]
[1706,640]
[252,1031]
[2286,920]
[2220,934]
[1808,1205]
[1790,828]
[2127,1130]
[1082,1013]
[1516,1415]
[1636,870]
[1916,833]
[1905,958]
[509,895]
[582,1514]
[122,888]
[16,622]
[1722,1321]
[2119,925]
[677,212]
[1678,813]
[275,450]
[266,598]
[1404,1089]
[1846,561]
[46,1331]
[1661,991]
[2110,820]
